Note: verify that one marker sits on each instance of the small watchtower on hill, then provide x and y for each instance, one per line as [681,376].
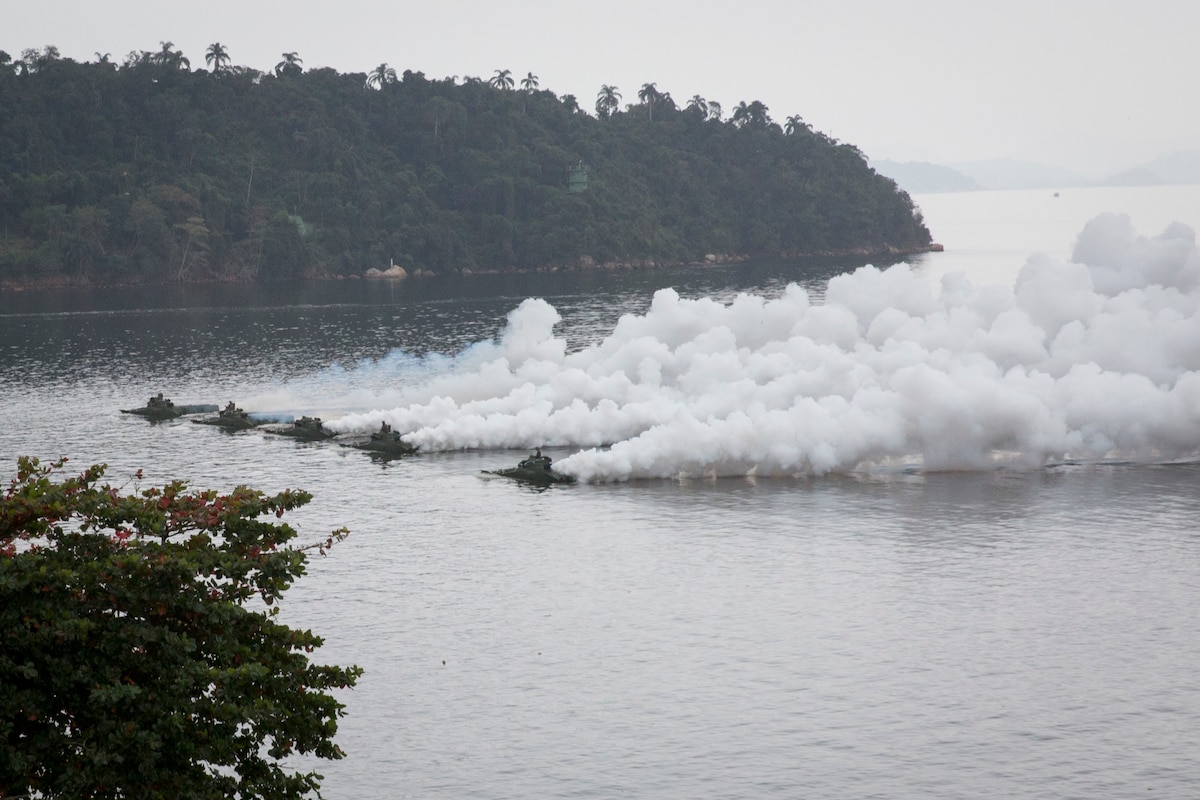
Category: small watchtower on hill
[577,178]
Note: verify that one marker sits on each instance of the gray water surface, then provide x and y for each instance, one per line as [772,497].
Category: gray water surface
[958,635]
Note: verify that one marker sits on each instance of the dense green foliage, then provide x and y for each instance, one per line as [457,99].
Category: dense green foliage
[130,664]
[150,171]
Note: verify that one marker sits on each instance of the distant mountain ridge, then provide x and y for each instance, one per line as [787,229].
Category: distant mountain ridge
[1011,173]
[1181,167]
[920,176]
[1175,168]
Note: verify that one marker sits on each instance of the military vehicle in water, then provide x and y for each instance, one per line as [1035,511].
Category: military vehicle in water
[385,443]
[308,429]
[535,469]
[232,418]
[159,408]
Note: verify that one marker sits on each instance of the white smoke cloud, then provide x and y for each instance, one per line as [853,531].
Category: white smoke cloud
[1093,359]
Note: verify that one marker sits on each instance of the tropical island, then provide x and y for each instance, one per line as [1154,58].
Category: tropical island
[150,171]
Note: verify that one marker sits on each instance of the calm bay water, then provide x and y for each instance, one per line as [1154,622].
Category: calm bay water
[999,634]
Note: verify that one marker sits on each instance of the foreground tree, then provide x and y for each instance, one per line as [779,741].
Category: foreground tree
[130,662]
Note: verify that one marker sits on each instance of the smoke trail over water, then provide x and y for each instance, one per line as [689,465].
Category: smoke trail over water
[1093,359]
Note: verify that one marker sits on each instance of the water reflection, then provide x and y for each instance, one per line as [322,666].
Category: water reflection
[503,290]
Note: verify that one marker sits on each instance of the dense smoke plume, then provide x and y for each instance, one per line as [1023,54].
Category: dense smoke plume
[1093,359]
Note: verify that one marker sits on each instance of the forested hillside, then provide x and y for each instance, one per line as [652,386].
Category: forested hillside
[152,170]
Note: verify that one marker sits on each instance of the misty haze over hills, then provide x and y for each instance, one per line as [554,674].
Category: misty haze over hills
[1004,173]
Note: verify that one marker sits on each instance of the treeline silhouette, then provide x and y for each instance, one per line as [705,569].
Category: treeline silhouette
[150,171]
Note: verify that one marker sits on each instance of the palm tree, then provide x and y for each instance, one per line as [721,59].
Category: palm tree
[699,104]
[138,58]
[290,65]
[753,115]
[607,101]
[217,57]
[795,123]
[502,79]
[741,114]
[649,95]
[170,57]
[381,76]
[528,84]
[758,114]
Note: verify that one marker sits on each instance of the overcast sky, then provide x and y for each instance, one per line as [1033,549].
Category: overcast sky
[1093,85]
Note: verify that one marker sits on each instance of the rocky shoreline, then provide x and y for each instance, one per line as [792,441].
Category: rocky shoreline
[584,264]
[587,263]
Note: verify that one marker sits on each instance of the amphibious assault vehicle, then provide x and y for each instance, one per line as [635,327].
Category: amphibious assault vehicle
[159,408]
[385,443]
[535,469]
[232,418]
[308,429]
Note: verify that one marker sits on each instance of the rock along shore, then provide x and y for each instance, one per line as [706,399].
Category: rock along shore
[585,263]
